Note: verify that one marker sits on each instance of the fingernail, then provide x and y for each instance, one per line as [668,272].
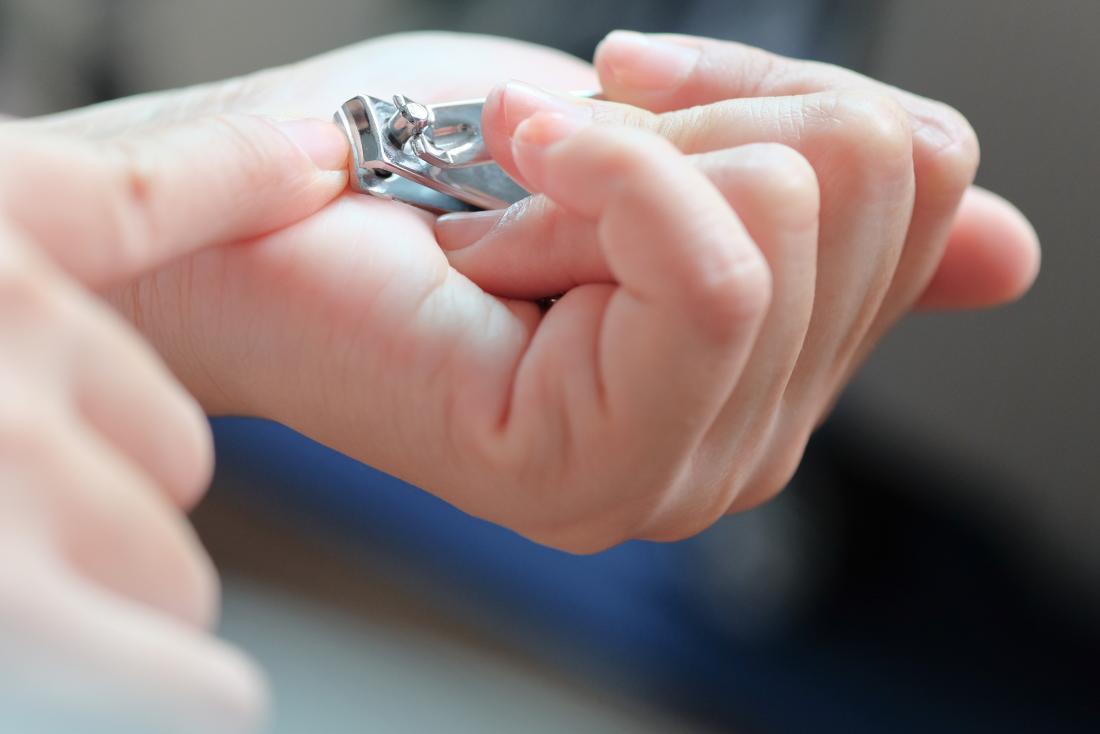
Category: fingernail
[322,141]
[534,136]
[462,229]
[545,129]
[644,62]
[521,100]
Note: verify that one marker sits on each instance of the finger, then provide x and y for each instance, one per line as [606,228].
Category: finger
[509,104]
[674,334]
[775,192]
[663,72]
[90,660]
[860,147]
[111,211]
[127,394]
[535,249]
[674,72]
[67,337]
[992,257]
[108,521]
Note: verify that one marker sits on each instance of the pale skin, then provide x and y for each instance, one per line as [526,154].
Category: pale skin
[732,235]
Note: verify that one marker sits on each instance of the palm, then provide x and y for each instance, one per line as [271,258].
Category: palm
[323,323]
[341,312]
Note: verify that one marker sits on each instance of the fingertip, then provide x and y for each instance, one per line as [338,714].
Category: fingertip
[513,102]
[631,62]
[495,131]
[492,111]
[993,256]
[1023,251]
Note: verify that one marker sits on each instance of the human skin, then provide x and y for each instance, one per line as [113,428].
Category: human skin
[355,328]
[340,325]
[106,597]
[105,592]
[706,326]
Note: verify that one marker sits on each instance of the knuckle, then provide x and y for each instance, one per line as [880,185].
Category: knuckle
[760,70]
[632,155]
[949,151]
[782,183]
[247,137]
[690,130]
[872,127]
[735,292]
[613,113]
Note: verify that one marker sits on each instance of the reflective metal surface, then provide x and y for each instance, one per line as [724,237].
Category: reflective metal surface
[431,156]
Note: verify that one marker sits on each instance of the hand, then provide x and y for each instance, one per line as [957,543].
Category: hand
[867,179]
[353,328]
[105,592]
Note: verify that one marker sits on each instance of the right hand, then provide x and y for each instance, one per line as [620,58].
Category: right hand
[106,595]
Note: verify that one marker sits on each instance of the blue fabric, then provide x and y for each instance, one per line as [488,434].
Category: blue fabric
[924,626]
[627,603]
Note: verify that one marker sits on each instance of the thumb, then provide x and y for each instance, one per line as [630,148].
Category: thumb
[107,212]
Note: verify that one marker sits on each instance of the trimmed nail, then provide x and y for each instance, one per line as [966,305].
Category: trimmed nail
[462,229]
[545,129]
[521,100]
[646,63]
[322,141]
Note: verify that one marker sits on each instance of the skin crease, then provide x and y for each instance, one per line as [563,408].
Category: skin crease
[706,331]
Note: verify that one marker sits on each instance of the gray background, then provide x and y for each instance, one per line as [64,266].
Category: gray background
[1013,391]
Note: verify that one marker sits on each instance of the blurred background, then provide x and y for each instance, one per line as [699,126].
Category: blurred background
[935,565]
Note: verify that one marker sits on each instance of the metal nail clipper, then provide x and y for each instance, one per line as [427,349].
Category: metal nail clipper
[431,156]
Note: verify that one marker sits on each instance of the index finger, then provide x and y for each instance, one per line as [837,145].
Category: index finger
[107,212]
